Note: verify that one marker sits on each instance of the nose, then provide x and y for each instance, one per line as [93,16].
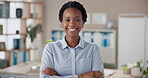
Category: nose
[72,22]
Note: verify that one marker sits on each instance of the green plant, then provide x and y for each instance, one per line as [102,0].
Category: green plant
[124,67]
[47,42]
[137,64]
[145,70]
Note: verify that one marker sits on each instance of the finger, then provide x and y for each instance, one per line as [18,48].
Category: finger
[51,72]
[98,72]
[47,72]
[48,68]
[97,76]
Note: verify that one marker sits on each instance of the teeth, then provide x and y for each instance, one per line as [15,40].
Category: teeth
[72,29]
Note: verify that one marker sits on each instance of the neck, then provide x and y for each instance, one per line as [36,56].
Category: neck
[72,41]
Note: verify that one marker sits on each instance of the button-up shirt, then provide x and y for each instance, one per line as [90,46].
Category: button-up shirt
[69,62]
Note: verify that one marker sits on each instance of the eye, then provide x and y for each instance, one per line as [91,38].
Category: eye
[67,20]
[77,20]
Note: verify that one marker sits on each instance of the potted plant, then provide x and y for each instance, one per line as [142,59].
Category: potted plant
[136,70]
[145,70]
[127,68]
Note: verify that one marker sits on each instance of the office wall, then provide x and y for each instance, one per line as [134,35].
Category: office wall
[132,39]
[112,7]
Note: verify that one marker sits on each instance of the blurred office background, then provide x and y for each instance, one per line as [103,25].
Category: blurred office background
[119,27]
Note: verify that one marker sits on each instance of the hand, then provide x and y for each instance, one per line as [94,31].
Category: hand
[92,74]
[50,71]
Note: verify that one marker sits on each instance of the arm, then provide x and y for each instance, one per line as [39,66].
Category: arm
[47,62]
[93,74]
[97,65]
[97,60]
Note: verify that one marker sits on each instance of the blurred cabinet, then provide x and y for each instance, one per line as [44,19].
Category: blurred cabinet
[19,28]
[133,38]
[105,39]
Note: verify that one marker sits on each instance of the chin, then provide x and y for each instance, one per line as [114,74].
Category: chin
[70,35]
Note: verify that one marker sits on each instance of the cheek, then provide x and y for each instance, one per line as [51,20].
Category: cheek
[62,25]
[81,25]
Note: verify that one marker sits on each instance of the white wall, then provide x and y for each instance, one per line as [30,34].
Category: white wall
[112,7]
[147,39]
[132,39]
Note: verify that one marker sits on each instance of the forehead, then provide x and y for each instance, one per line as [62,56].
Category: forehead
[72,12]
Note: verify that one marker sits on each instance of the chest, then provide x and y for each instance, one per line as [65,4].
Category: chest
[69,60]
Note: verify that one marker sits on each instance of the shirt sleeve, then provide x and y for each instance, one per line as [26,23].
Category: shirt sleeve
[47,61]
[97,60]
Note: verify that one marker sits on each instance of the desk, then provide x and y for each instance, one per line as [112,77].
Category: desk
[118,74]
[23,70]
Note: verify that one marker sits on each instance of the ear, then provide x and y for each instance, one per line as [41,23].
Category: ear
[82,25]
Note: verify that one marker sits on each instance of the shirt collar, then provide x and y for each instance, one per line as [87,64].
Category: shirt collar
[64,43]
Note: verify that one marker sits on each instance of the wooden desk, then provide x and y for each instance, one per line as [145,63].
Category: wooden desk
[23,70]
[118,74]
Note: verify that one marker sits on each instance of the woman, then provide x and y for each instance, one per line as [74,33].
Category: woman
[71,57]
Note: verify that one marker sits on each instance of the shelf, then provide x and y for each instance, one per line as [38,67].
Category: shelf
[13,50]
[12,34]
[22,2]
[109,48]
[36,18]
[2,50]
[31,15]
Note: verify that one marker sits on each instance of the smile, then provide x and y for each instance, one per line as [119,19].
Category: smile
[71,29]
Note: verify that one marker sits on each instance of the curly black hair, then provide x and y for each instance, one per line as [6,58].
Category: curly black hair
[73,4]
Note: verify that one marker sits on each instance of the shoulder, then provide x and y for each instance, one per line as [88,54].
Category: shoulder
[53,44]
[51,47]
[89,44]
[94,48]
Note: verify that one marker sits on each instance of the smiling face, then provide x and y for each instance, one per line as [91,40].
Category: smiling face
[72,22]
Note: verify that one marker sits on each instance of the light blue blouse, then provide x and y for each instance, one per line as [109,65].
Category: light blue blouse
[69,62]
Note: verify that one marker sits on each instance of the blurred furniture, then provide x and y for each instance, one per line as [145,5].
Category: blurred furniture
[118,74]
[23,70]
[15,28]
[3,63]
[132,38]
